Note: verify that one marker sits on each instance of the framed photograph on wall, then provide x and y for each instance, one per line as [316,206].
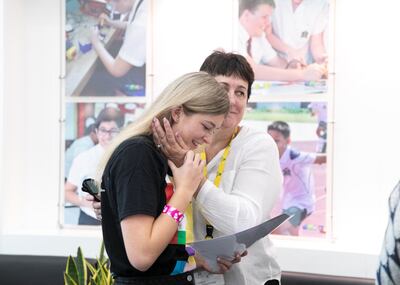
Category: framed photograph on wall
[287,45]
[289,100]
[105,48]
[90,128]
[105,86]
[300,132]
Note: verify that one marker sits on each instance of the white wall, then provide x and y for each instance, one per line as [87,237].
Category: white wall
[365,123]
[1,106]
[203,26]
[12,135]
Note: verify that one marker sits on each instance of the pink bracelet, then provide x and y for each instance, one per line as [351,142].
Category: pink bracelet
[173,213]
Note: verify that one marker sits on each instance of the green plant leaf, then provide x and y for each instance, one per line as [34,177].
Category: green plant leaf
[110,280]
[95,278]
[76,270]
[92,269]
[104,271]
[102,257]
[71,268]
[98,277]
[92,281]
[81,266]
[68,280]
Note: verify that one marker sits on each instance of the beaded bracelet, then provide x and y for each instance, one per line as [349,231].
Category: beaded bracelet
[173,213]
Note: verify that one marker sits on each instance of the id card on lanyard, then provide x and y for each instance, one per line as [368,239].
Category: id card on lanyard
[207,278]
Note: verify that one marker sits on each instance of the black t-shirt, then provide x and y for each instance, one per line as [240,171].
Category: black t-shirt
[134,183]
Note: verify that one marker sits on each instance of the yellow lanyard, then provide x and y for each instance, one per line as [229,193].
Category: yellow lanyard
[217,180]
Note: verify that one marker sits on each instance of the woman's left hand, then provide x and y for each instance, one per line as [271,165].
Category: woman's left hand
[224,264]
[172,144]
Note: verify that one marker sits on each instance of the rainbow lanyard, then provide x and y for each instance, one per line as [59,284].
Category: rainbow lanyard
[217,180]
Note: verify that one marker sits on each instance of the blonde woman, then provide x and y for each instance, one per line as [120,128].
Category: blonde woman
[137,223]
[250,183]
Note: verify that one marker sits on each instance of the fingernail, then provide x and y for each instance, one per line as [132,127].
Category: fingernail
[154,120]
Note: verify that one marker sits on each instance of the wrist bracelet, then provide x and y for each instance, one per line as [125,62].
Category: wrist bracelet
[192,262]
[173,213]
[190,250]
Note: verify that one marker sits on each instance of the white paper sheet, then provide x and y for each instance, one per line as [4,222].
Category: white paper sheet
[227,246]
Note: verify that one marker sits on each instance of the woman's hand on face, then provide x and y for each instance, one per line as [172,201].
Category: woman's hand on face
[188,177]
[172,144]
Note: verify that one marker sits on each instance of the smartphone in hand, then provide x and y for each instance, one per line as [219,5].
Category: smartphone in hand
[89,186]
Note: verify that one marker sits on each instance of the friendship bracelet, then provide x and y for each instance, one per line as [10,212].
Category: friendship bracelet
[179,267]
[173,213]
[190,250]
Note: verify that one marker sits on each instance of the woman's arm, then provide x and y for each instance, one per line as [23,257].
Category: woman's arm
[257,182]
[117,67]
[311,72]
[146,237]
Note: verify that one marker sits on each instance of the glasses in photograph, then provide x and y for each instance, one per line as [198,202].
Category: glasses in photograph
[112,132]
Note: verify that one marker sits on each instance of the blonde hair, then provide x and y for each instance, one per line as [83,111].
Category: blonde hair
[196,92]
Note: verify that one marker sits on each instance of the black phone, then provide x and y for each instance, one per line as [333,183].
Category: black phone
[89,186]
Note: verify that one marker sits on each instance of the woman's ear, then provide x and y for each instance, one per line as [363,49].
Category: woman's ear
[176,113]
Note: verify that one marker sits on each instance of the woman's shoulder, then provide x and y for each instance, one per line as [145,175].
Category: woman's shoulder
[137,142]
[137,153]
[136,148]
[254,137]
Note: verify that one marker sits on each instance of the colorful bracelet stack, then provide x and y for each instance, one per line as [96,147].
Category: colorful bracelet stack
[173,213]
[191,260]
[190,250]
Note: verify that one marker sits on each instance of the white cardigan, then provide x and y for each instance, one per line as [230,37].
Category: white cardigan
[250,186]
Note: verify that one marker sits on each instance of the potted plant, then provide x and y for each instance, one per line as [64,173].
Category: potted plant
[79,271]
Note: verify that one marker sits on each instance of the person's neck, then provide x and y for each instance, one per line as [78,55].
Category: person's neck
[93,137]
[220,141]
[283,151]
